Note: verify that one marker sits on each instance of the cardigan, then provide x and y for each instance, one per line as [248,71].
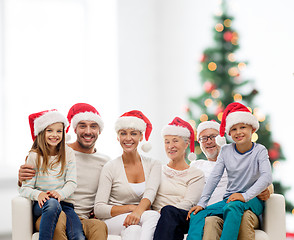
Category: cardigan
[114,188]
[181,189]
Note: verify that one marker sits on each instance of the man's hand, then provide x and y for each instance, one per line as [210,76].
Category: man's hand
[25,172]
[194,209]
[236,197]
[54,194]
[264,195]
[42,198]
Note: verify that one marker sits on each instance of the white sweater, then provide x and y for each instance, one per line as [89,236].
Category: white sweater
[89,167]
[207,167]
[181,189]
[115,190]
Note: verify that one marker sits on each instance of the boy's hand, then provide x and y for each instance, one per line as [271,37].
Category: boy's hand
[54,194]
[194,209]
[42,198]
[236,197]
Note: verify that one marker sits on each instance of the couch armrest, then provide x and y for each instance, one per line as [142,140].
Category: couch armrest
[22,218]
[275,217]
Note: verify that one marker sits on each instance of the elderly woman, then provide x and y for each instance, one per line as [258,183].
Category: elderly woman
[181,185]
[129,183]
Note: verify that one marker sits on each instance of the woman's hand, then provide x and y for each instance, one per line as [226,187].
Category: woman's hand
[54,194]
[236,197]
[132,219]
[194,209]
[42,198]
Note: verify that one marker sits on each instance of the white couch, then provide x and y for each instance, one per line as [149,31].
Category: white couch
[274,227]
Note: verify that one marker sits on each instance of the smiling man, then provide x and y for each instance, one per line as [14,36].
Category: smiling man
[206,134]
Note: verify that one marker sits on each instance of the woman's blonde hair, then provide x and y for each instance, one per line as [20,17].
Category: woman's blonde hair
[41,147]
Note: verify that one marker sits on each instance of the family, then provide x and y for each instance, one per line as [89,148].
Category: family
[79,193]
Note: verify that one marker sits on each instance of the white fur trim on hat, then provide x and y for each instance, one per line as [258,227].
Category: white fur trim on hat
[87,116]
[206,125]
[47,119]
[241,117]
[175,131]
[129,122]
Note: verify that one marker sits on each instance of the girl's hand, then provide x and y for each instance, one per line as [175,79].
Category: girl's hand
[194,209]
[236,197]
[42,198]
[132,219]
[54,194]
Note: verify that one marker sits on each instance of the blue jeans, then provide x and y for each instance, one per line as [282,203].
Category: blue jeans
[50,214]
[231,212]
[172,224]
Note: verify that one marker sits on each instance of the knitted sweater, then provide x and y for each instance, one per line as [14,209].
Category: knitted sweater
[181,189]
[115,190]
[89,167]
[43,182]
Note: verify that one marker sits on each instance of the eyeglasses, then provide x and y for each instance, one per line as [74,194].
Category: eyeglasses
[205,138]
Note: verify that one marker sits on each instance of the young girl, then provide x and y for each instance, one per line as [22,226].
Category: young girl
[249,173]
[55,178]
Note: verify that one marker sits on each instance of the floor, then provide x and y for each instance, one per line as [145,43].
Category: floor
[5,237]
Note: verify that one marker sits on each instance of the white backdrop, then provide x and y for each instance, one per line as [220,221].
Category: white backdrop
[131,54]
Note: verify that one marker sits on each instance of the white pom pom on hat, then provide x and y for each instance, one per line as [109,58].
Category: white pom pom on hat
[179,127]
[146,147]
[220,140]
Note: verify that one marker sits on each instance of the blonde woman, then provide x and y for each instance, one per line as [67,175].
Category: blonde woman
[128,184]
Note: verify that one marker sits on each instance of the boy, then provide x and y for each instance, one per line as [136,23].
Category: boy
[249,173]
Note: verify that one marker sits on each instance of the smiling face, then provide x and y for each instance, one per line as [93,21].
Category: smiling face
[54,135]
[241,133]
[209,148]
[87,134]
[129,139]
[175,147]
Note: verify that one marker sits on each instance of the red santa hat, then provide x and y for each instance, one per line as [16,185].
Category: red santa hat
[135,120]
[40,120]
[236,113]
[207,125]
[83,112]
[179,127]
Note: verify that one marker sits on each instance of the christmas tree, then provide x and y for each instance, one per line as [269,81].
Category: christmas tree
[222,81]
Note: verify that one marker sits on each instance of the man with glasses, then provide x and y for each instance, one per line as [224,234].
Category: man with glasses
[206,134]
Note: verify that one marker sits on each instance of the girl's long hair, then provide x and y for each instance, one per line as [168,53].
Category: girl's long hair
[41,147]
